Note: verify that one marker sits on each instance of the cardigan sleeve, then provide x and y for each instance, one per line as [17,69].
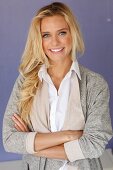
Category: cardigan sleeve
[13,140]
[98,130]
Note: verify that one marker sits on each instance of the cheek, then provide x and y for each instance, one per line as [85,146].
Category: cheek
[44,45]
[68,39]
[69,42]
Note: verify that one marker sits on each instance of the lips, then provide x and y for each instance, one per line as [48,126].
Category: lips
[55,50]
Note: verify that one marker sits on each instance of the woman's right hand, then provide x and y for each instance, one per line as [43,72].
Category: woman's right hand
[19,124]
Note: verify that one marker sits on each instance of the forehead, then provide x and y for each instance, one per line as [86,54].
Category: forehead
[53,22]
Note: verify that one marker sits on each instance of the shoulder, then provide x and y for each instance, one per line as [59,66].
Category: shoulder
[92,78]
[18,82]
[20,79]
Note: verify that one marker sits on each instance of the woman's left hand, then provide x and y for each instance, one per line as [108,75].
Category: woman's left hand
[20,125]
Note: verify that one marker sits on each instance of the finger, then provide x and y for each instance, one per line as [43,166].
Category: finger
[21,121]
[18,123]
[17,127]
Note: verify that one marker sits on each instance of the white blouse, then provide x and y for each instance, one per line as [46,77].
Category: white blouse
[58,100]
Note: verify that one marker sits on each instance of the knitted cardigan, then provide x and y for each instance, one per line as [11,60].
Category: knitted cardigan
[94,95]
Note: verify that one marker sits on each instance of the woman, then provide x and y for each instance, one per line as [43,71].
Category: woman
[58,112]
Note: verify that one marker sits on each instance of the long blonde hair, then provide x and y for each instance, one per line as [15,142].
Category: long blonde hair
[34,56]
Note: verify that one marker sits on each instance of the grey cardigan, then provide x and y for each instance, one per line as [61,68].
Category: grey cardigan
[94,94]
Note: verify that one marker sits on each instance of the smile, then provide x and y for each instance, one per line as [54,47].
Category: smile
[56,50]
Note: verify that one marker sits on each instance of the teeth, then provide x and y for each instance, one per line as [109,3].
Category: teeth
[56,50]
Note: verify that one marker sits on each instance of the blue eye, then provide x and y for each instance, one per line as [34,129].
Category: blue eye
[63,33]
[45,35]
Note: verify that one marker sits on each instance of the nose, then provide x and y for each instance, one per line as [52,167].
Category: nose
[55,41]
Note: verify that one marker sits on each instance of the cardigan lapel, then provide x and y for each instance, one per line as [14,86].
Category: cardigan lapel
[83,91]
[74,119]
[40,110]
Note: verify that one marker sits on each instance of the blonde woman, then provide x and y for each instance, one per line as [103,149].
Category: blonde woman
[58,112]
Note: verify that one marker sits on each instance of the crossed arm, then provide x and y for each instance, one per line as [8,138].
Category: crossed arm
[50,145]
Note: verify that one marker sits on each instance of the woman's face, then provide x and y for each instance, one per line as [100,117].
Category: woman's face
[56,38]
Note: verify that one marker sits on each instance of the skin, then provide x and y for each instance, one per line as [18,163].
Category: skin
[57,45]
[56,36]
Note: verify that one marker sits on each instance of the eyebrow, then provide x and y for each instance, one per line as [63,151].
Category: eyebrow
[57,30]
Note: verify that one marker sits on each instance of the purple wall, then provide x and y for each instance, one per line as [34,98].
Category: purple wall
[96,21]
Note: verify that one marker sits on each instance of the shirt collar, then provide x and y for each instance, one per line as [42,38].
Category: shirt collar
[42,72]
[74,67]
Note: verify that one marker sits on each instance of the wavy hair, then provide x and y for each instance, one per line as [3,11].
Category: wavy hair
[33,56]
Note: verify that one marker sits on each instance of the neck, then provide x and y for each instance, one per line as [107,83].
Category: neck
[60,69]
